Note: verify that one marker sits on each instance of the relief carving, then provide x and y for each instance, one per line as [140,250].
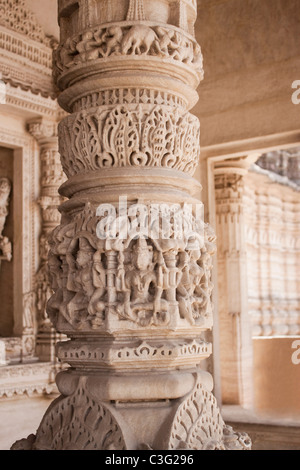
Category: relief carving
[198,425]
[141,287]
[78,422]
[145,281]
[129,40]
[122,137]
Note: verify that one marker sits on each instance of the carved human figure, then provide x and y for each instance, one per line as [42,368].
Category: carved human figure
[56,282]
[44,293]
[112,39]
[97,304]
[207,251]
[80,281]
[28,311]
[67,53]
[172,45]
[189,291]
[87,47]
[143,291]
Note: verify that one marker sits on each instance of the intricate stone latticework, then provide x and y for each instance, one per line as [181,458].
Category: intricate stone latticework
[45,132]
[136,302]
[234,321]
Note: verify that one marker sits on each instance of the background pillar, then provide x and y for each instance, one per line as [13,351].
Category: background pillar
[236,349]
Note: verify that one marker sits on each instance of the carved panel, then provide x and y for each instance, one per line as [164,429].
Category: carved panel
[148,282]
[125,96]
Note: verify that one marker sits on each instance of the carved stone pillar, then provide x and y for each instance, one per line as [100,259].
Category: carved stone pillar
[135,303]
[45,132]
[234,320]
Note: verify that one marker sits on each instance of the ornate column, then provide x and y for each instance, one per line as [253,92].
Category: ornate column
[236,348]
[134,300]
[45,132]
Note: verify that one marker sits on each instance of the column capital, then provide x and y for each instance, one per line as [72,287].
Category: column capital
[236,165]
[229,177]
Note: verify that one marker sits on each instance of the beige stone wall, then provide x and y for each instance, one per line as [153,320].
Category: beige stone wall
[273,256]
[251,57]
[277,379]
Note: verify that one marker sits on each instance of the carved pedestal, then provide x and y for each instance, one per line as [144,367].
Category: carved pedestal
[130,263]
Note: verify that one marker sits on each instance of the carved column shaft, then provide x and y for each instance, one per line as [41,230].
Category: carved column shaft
[131,281]
[235,323]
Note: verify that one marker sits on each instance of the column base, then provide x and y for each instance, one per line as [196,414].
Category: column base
[80,420]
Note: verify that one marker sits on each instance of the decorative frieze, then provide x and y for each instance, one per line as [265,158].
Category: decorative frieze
[125,96]
[148,355]
[26,379]
[129,39]
[129,136]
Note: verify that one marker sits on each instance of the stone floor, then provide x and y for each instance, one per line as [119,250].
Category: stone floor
[20,417]
[266,432]
[270,437]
